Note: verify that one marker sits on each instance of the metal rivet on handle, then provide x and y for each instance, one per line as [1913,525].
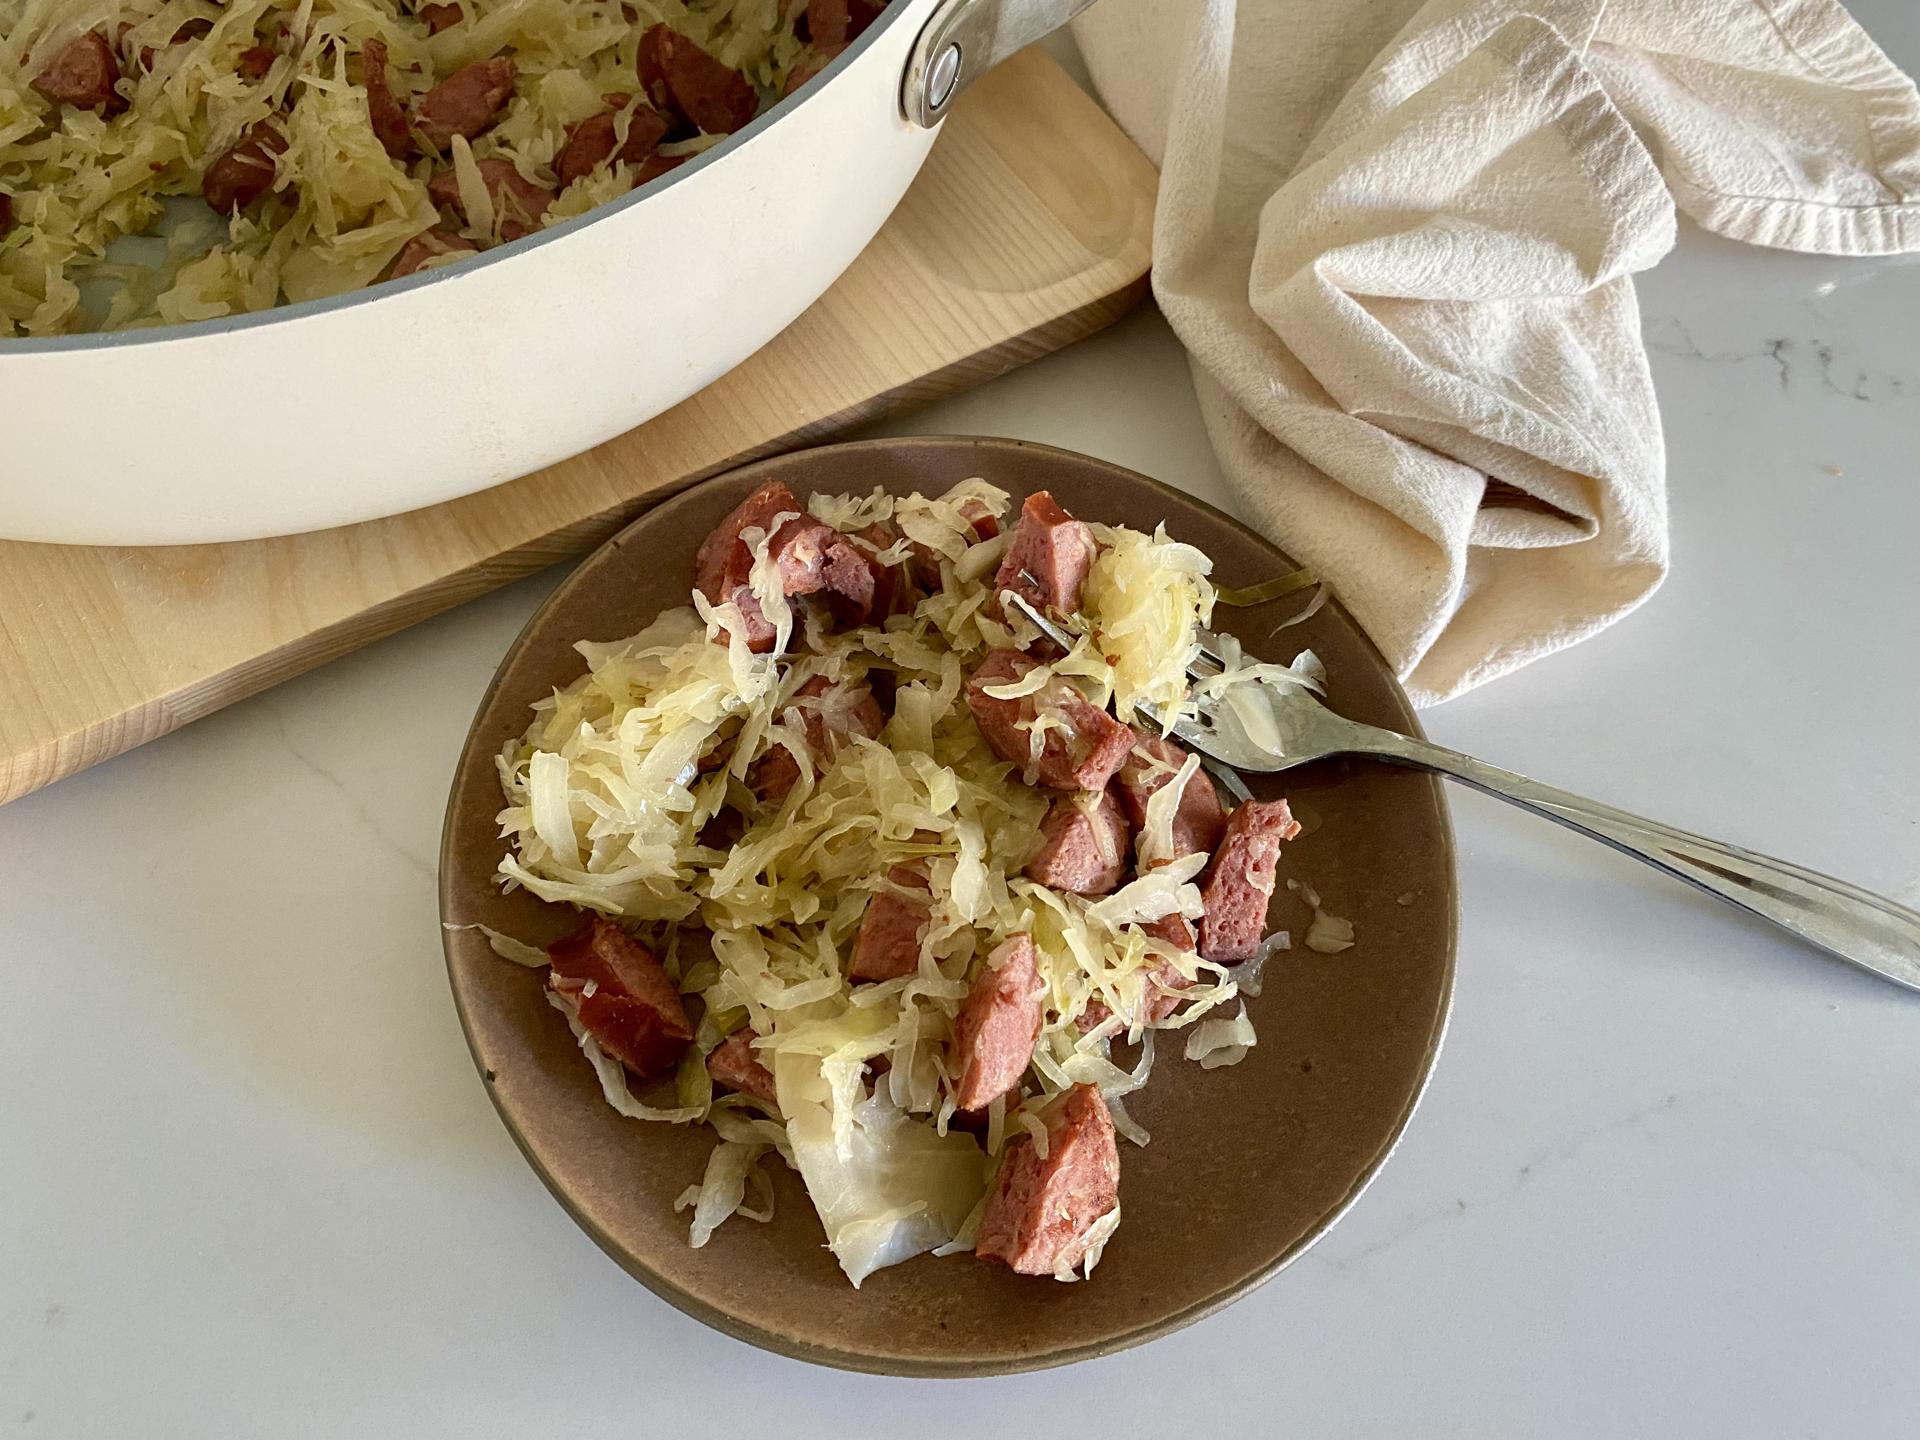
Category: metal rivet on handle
[942,77]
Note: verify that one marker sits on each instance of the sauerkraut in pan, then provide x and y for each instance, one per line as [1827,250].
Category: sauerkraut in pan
[280,150]
[883,885]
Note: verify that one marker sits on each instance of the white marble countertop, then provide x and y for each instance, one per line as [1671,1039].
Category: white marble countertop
[1666,1181]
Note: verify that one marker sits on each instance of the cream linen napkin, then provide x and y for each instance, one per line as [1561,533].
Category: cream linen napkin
[1397,239]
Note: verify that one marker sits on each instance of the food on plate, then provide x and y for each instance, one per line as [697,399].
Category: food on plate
[887,945]
[337,143]
[734,1064]
[1083,844]
[877,883]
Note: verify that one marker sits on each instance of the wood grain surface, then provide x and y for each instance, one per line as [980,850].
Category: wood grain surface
[1028,229]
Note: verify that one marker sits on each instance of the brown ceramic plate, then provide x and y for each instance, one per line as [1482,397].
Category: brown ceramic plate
[1249,1164]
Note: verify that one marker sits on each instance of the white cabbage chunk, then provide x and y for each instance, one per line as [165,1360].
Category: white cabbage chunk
[898,1190]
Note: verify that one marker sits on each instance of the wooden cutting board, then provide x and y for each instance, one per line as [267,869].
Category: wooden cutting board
[1027,230]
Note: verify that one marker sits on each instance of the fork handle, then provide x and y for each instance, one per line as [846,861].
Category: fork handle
[1869,930]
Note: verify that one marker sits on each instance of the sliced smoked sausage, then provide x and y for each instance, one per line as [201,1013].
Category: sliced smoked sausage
[1040,1212]
[734,1064]
[1198,819]
[428,245]
[1053,548]
[625,999]
[1081,746]
[244,173]
[388,116]
[888,945]
[1239,881]
[998,1022]
[518,203]
[681,78]
[466,102]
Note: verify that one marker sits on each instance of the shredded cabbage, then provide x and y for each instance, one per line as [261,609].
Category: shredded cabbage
[1156,833]
[1098,1234]
[1151,596]
[508,948]
[1328,934]
[1248,975]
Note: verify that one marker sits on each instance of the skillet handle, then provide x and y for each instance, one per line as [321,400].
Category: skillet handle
[966,38]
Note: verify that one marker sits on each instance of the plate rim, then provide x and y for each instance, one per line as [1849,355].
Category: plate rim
[857,1361]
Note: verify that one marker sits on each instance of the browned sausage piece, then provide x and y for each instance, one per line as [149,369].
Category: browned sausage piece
[835,22]
[466,102]
[1164,980]
[440,17]
[256,61]
[1239,882]
[633,1010]
[1198,820]
[244,173]
[1038,1216]
[426,246]
[893,588]
[998,1022]
[1083,845]
[1172,930]
[388,117]
[724,561]
[827,22]
[811,557]
[1054,548]
[591,143]
[681,78]
[734,1064]
[814,557]
[1080,752]
[829,713]
[816,59]
[651,66]
[888,945]
[656,165]
[518,203]
[83,73]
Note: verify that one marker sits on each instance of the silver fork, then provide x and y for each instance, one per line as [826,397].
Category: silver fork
[1871,931]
